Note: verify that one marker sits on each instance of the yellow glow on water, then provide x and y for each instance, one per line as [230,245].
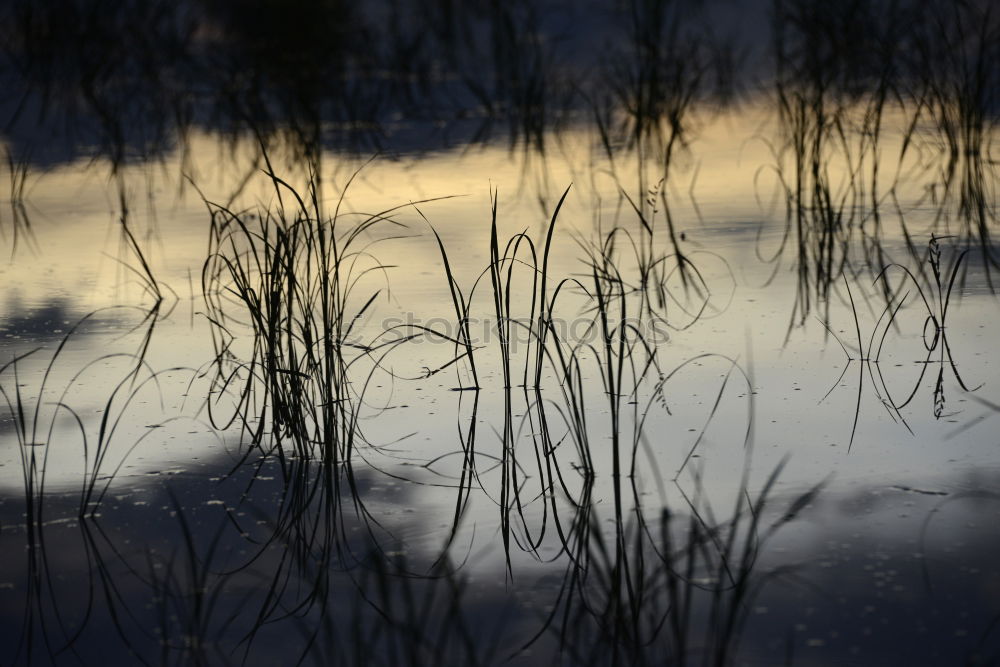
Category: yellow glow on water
[728,171]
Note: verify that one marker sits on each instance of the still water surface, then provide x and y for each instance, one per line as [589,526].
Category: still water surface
[754,421]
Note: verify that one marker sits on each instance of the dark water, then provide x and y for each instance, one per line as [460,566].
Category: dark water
[470,333]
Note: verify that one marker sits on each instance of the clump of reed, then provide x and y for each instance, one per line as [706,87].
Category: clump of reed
[523,297]
[551,442]
[832,102]
[936,296]
[658,74]
[841,72]
[301,282]
[956,80]
[934,282]
[282,271]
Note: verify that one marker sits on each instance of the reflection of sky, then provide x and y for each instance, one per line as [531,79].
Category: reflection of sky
[77,268]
